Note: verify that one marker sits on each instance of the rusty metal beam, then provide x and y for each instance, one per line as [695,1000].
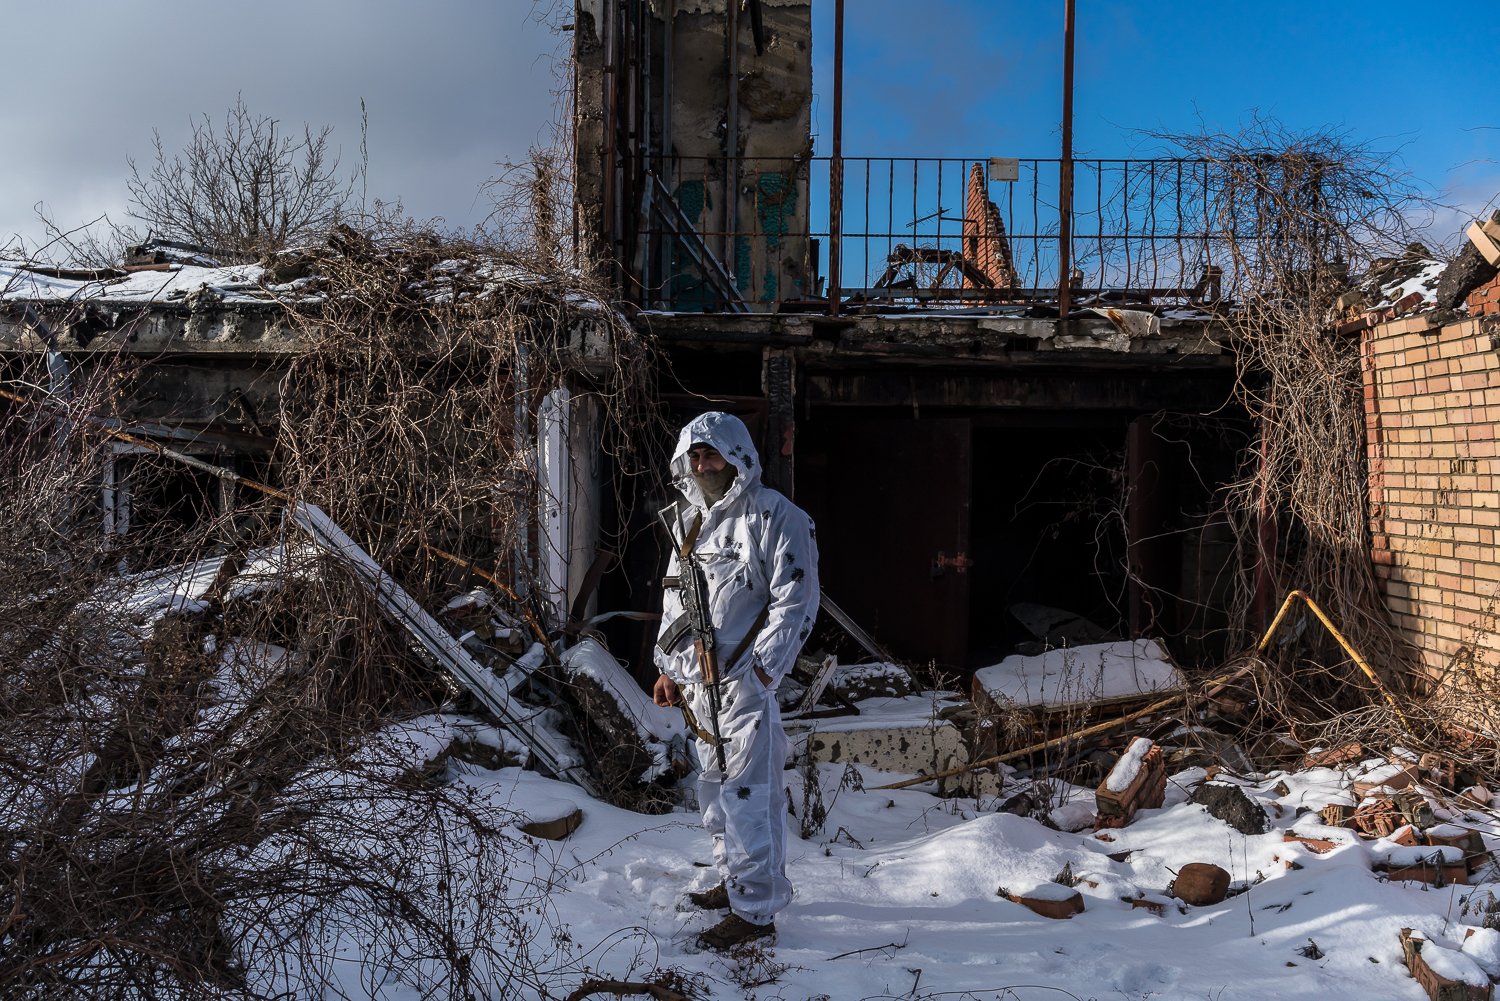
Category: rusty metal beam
[1065,173]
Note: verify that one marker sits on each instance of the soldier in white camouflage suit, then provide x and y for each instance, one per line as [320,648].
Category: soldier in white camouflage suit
[760,561]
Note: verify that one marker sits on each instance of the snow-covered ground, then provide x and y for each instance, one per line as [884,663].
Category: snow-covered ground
[899,893]
[897,898]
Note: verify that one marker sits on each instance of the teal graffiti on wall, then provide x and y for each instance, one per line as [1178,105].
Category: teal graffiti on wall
[775,212]
[686,289]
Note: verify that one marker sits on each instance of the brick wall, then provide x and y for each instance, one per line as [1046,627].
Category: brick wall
[984,241]
[1432,420]
[1485,300]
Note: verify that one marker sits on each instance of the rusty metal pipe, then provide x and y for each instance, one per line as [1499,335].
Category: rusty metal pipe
[1333,631]
[836,162]
[1065,173]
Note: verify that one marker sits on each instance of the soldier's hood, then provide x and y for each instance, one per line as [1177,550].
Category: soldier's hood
[729,435]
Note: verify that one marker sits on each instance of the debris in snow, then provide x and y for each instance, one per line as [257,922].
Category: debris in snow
[1201,884]
[1059,679]
[1128,768]
[1138,781]
[1320,838]
[1395,854]
[1468,271]
[906,735]
[1445,974]
[1049,899]
[1476,796]
[1230,804]
[1391,777]
[552,828]
[1397,286]
[1379,817]
[856,682]
[632,742]
[1333,757]
[1482,945]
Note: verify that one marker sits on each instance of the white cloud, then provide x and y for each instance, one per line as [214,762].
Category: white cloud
[451,87]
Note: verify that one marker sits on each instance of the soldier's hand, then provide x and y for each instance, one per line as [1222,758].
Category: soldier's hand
[664,693]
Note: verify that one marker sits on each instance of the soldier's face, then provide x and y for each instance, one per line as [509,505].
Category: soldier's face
[705,459]
[712,471]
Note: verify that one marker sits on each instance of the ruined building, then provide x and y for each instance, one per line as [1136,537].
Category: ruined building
[977,454]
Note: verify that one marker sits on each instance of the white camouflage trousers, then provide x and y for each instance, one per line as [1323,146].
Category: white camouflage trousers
[745,810]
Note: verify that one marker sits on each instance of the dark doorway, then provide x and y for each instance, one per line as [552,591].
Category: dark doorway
[1048,527]
[890,496]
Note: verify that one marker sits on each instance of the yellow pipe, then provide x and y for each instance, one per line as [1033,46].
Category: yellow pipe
[1333,631]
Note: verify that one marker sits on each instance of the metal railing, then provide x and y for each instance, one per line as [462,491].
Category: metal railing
[1142,230]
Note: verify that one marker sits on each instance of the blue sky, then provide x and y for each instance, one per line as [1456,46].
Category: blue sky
[454,86]
[983,78]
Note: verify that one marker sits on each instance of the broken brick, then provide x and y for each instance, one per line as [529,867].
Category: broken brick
[1381,817]
[1318,846]
[1475,797]
[1438,987]
[1431,872]
[1386,778]
[1407,836]
[1049,904]
[1334,757]
[1441,769]
[1146,789]
[1337,814]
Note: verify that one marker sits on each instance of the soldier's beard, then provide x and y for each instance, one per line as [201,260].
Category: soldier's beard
[715,484]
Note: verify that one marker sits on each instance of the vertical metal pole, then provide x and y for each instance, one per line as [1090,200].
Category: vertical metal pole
[1065,173]
[836,163]
[608,149]
[732,142]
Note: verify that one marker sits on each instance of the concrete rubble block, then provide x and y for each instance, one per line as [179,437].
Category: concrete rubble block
[1230,804]
[1201,884]
[1138,781]
[1050,900]
[1445,974]
[903,736]
[553,827]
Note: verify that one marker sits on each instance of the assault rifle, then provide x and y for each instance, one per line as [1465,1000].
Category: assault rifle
[692,585]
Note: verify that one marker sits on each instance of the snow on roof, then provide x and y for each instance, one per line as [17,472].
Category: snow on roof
[194,286]
[172,284]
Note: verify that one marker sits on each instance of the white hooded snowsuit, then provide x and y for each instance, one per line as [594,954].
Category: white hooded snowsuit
[759,554]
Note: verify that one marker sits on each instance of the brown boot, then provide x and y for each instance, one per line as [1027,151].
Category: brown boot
[732,931]
[713,899]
